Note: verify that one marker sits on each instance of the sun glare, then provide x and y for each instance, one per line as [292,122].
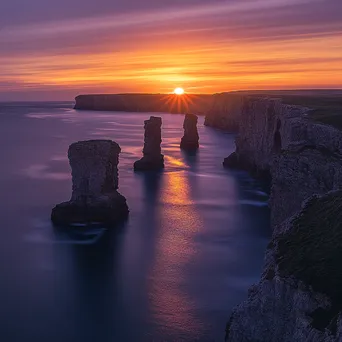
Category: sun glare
[179,91]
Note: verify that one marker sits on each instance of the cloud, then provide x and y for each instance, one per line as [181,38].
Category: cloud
[211,46]
[141,18]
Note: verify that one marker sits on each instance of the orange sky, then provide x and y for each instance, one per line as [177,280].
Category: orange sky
[203,49]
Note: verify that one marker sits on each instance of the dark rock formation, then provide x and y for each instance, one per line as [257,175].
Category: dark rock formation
[190,139]
[238,162]
[232,161]
[303,171]
[95,198]
[300,157]
[152,159]
[299,296]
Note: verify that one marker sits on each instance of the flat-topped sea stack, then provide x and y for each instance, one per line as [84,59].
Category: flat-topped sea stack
[152,159]
[190,139]
[95,181]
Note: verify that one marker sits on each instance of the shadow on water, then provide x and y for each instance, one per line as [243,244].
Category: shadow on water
[152,183]
[191,159]
[96,285]
[254,196]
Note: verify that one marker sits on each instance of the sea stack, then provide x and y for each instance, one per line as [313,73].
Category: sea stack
[190,139]
[95,181]
[152,159]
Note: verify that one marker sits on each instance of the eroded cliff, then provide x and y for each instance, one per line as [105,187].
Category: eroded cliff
[301,156]
[297,298]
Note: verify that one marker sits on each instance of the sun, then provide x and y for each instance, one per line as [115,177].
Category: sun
[179,91]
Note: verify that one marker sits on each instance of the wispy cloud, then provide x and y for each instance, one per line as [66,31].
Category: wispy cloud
[222,45]
[140,18]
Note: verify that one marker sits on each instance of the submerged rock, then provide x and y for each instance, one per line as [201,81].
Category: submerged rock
[95,181]
[232,161]
[152,159]
[190,139]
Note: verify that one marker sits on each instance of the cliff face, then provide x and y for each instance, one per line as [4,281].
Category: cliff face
[297,298]
[302,157]
[224,111]
[266,127]
[300,172]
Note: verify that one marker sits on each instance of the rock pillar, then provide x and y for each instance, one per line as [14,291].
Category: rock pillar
[95,181]
[190,139]
[152,159]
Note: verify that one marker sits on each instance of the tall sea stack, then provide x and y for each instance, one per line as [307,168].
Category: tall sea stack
[95,181]
[152,159]
[190,139]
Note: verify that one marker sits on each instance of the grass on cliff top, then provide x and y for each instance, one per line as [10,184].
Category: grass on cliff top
[325,105]
[312,251]
[325,109]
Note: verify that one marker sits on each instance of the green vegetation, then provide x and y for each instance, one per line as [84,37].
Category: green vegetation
[312,252]
[325,105]
[325,109]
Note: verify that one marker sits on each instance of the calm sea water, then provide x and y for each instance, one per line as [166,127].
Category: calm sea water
[192,246]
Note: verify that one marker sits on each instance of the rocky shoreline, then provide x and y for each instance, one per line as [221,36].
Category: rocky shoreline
[298,297]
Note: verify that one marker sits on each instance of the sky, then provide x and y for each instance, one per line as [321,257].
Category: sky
[55,50]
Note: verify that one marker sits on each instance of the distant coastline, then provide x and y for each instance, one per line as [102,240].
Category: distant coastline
[199,104]
[170,103]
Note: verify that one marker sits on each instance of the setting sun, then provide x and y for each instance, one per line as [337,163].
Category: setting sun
[179,91]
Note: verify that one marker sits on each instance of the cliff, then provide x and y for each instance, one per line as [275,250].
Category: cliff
[297,298]
[303,157]
[224,111]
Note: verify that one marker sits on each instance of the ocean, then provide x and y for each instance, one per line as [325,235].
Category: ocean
[193,244]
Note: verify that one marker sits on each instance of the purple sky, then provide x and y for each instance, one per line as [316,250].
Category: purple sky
[42,43]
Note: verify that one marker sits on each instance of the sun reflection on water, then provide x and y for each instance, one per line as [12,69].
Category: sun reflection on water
[176,246]
[174,161]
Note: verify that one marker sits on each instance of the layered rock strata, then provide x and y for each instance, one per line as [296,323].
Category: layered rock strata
[152,158]
[190,140]
[95,181]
